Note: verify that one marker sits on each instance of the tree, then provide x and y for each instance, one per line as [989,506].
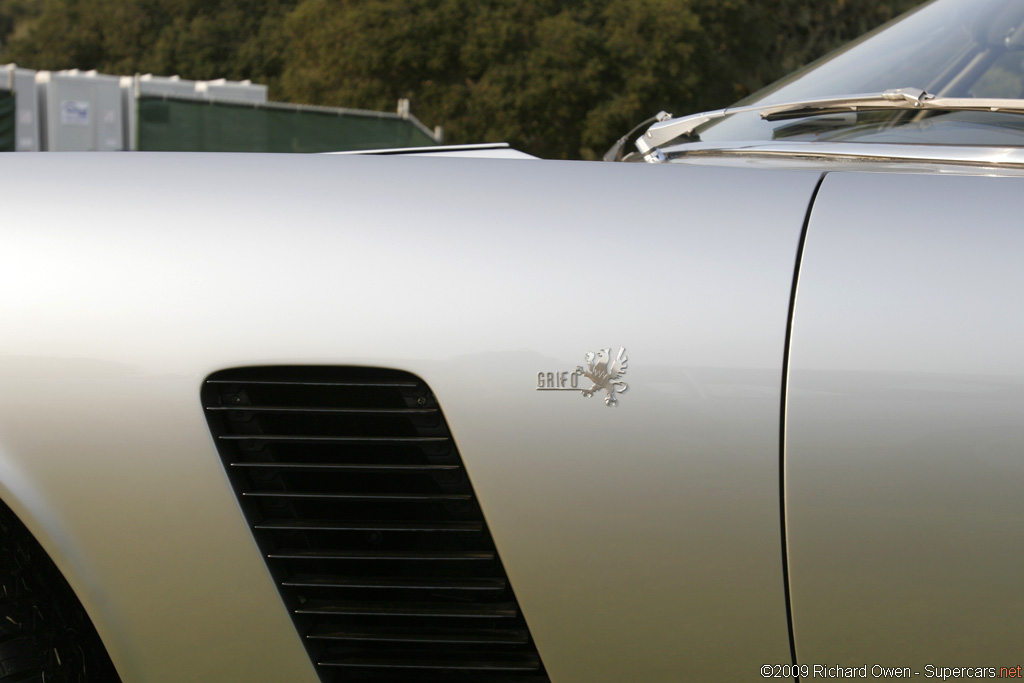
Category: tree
[16,18]
[199,39]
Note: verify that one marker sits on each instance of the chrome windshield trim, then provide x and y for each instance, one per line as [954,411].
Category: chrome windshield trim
[1002,157]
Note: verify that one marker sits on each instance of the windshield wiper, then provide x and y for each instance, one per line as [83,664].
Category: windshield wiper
[901,98]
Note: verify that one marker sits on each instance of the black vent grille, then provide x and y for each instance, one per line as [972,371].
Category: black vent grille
[358,499]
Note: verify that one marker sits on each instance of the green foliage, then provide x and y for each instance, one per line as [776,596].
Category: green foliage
[195,38]
[558,78]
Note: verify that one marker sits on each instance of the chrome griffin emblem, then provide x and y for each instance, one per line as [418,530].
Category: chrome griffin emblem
[604,371]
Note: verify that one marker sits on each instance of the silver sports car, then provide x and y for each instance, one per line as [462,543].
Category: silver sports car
[751,407]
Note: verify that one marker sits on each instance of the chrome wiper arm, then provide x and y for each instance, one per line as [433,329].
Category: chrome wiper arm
[904,98]
[901,98]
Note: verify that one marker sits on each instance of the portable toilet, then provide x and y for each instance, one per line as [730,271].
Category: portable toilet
[19,110]
[133,88]
[81,111]
[164,86]
[236,91]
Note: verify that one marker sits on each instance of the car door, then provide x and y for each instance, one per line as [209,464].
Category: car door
[904,429]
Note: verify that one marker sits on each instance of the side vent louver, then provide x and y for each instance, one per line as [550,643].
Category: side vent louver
[358,500]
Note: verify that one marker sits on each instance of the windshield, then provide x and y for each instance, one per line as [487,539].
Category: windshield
[950,48]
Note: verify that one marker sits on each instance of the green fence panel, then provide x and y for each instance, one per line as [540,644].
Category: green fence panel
[166,125]
[6,121]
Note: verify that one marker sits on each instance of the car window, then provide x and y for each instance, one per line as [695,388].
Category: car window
[951,48]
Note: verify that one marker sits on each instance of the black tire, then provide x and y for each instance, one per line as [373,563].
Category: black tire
[45,635]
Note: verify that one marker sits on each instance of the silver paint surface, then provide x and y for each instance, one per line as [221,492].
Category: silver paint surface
[904,462]
[642,542]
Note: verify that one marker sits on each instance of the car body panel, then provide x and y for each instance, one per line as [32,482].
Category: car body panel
[905,420]
[643,538]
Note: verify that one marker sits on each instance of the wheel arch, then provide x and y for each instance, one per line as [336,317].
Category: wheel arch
[24,505]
